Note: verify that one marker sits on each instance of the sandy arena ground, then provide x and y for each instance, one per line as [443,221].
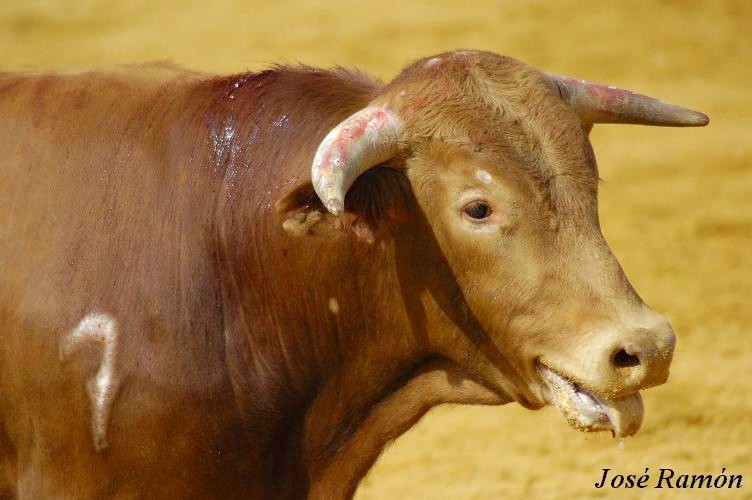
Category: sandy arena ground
[676,204]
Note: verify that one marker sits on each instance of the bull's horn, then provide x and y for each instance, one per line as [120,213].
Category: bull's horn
[362,141]
[597,103]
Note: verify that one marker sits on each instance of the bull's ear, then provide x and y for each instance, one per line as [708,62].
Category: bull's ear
[376,202]
[305,215]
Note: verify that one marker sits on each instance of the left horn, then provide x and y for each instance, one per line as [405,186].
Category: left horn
[362,141]
[597,103]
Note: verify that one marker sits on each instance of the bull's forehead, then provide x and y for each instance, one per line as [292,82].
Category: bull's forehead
[504,112]
[511,86]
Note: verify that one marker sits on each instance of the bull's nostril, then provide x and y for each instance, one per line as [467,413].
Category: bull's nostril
[622,359]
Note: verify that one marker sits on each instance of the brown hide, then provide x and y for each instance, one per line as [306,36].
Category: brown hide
[247,358]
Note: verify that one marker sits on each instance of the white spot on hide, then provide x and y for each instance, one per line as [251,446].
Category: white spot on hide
[99,330]
[333,305]
[483,176]
[432,62]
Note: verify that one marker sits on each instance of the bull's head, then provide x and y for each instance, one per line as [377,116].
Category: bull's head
[498,158]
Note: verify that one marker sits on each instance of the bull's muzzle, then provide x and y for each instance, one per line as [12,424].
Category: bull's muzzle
[596,386]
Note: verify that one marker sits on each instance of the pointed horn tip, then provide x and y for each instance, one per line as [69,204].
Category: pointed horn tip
[699,119]
[687,118]
[334,206]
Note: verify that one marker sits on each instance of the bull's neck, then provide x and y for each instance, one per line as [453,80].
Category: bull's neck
[316,334]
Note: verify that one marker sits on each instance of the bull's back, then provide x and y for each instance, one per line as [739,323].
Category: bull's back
[105,365]
[64,181]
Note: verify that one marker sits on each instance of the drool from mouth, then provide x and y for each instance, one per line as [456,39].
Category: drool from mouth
[589,412]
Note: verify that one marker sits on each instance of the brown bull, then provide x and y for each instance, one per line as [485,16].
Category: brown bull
[188,309]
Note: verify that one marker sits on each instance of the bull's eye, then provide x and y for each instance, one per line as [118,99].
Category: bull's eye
[477,210]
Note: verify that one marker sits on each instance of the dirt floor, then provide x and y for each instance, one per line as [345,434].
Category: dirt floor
[676,204]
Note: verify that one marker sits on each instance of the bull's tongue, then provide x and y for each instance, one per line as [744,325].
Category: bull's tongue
[625,414]
[587,411]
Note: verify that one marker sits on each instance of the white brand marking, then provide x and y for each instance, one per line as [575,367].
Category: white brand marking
[101,330]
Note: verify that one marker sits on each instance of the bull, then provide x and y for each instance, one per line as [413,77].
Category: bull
[246,286]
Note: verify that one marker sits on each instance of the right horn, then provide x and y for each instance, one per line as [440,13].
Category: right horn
[598,103]
[362,141]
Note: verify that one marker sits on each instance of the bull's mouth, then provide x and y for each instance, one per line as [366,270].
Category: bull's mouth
[589,412]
